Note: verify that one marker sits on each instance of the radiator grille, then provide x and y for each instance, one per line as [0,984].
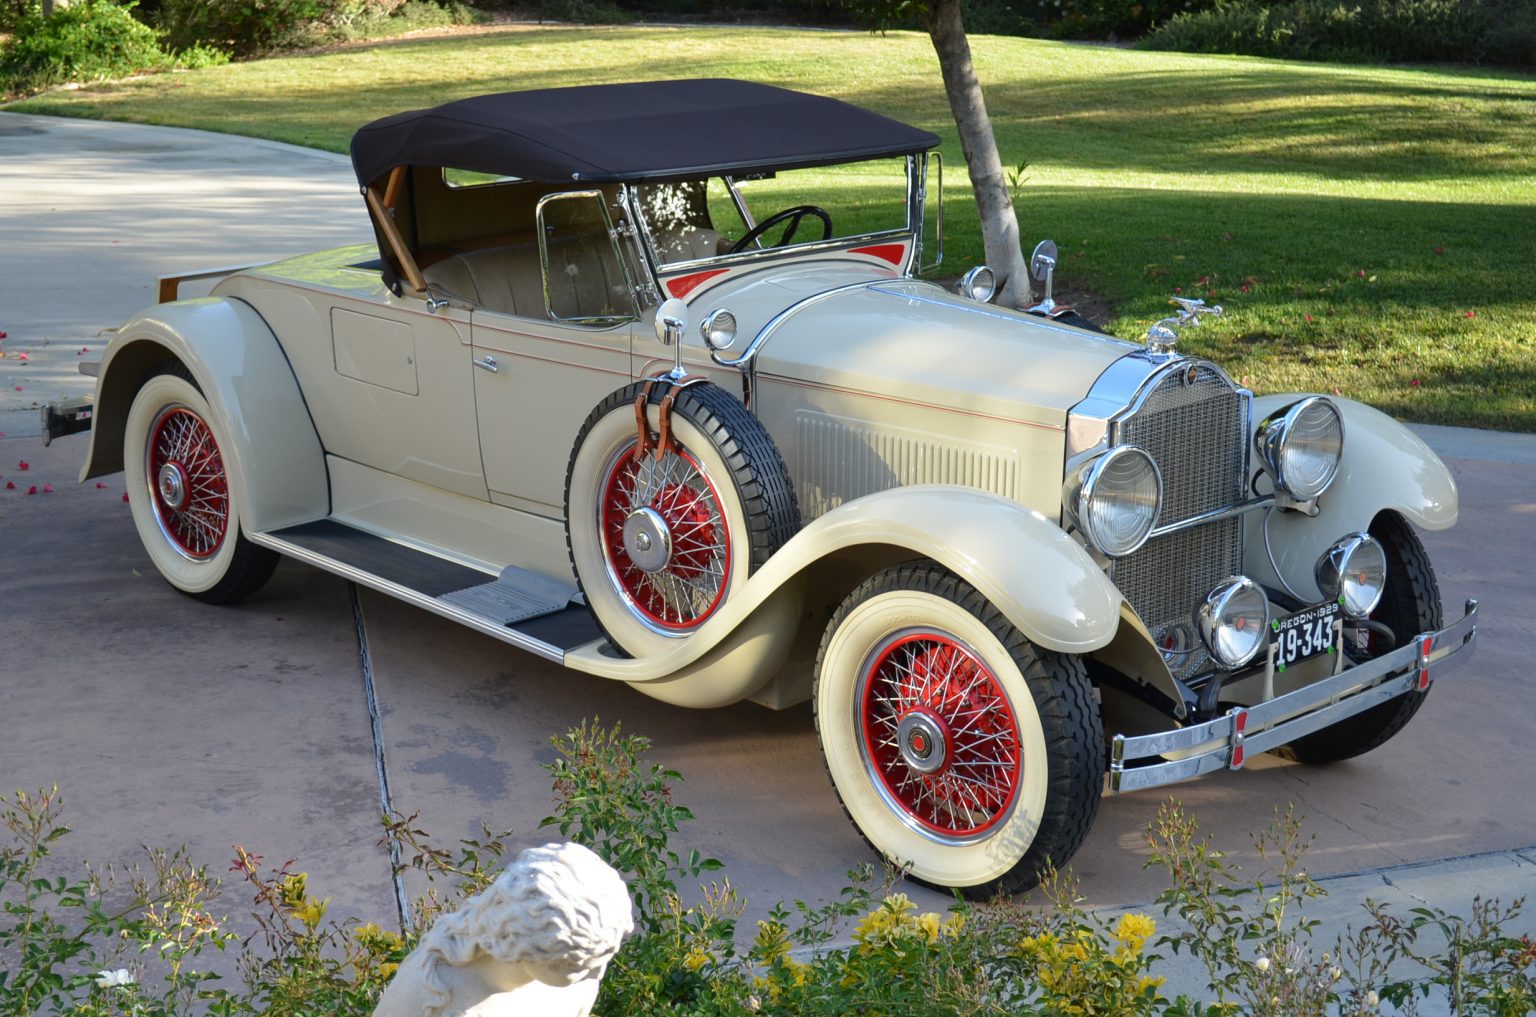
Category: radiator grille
[1195,429]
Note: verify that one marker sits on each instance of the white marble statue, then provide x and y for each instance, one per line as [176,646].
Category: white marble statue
[534,944]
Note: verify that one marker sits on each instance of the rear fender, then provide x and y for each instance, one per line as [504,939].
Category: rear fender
[265,434]
[1385,467]
[1022,562]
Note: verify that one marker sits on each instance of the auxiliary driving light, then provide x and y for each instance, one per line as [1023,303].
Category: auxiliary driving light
[1300,446]
[1354,572]
[718,329]
[980,283]
[1234,621]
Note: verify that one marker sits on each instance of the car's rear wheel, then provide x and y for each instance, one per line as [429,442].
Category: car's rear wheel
[659,543]
[957,747]
[1410,604]
[179,491]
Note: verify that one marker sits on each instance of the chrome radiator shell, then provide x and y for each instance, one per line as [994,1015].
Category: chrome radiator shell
[1193,420]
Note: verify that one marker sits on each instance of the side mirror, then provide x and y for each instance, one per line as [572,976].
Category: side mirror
[671,321]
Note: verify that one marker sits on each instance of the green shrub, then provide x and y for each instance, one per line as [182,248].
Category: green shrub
[87,41]
[12,11]
[250,27]
[1373,31]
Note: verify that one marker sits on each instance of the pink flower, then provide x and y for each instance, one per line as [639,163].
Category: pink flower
[22,357]
[47,488]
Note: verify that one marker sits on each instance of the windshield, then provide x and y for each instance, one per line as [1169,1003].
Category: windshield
[700,219]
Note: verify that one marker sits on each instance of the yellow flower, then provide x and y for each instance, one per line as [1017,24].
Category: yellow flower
[311,912]
[1146,982]
[1134,930]
[292,890]
[928,925]
[772,940]
[387,969]
[363,933]
[696,959]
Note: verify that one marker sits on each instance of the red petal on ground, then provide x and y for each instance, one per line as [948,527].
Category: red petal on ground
[125,496]
[1471,314]
[10,485]
[32,489]
[47,488]
[100,486]
[23,465]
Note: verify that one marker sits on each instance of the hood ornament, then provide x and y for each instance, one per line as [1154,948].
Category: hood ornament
[1162,336]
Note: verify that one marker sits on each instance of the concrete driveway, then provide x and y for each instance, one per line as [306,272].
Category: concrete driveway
[166,721]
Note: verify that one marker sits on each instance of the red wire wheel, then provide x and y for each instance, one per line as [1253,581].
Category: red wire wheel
[188,487]
[665,538]
[939,736]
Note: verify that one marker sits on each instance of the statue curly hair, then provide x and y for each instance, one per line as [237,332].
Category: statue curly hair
[555,916]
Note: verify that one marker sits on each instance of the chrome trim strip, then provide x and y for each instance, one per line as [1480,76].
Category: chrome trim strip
[1214,516]
[1227,741]
[671,268]
[414,597]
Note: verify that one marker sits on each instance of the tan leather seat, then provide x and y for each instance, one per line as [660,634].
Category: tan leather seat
[585,281]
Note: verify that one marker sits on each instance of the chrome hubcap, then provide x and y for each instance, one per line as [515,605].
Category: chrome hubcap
[923,743]
[647,540]
[173,486]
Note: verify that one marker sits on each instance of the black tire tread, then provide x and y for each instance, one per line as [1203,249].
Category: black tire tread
[251,566]
[757,468]
[1068,711]
[1409,606]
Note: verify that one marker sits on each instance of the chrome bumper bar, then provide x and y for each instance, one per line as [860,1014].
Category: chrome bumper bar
[1226,742]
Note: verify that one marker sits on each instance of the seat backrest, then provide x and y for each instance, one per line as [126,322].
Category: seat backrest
[505,279]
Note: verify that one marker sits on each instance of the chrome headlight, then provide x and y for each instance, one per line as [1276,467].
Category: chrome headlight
[1234,621]
[1300,446]
[980,283]
[1354,572]
[1114,500]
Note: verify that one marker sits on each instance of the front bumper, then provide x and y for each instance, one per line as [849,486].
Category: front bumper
[1226,742]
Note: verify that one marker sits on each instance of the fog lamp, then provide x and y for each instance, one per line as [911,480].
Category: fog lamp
[718,329]
[1354,572]
[980,283]
[1234,621]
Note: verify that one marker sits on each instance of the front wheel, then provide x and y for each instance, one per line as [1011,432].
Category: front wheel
[179,490]
[1410,605]
[958,748]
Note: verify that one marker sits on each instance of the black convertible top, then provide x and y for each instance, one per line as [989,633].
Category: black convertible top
[653,130]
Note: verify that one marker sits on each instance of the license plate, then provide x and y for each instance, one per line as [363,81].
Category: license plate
[1305,634]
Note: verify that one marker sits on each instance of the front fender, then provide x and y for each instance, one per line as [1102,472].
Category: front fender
[1384,467]
[265,433]
[1022,562]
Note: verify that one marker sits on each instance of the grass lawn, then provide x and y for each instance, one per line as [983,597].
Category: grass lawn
[1371,232]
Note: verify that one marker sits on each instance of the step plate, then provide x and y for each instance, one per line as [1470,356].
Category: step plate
[516,596]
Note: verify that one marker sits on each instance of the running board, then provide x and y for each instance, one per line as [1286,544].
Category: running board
[523,608]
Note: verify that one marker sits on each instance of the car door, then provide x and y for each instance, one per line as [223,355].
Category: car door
[544,363]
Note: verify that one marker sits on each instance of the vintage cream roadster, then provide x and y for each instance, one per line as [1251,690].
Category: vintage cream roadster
[642,379]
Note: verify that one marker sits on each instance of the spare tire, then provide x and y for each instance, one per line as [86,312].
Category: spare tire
[659,543]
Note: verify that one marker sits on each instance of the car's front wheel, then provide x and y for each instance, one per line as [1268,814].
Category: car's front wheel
[958,748]
[1410,604]
[179,490]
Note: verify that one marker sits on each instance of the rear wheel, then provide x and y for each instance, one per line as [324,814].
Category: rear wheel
[958,748]
[1410,604]
[179,491]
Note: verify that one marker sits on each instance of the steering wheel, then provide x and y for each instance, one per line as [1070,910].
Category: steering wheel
[791,215]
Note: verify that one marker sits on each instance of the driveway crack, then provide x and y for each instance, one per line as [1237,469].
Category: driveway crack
[386,804]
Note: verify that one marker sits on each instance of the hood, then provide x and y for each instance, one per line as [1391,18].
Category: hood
[913,340]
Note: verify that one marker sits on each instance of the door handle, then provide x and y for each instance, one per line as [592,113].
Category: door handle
[488,363]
